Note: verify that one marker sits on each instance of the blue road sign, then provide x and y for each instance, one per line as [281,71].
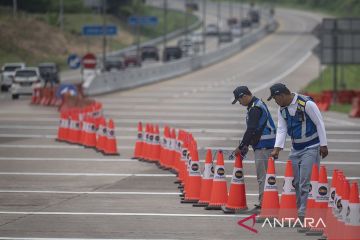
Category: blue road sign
[66,89]
[74,61]
[143,20]
[96,30]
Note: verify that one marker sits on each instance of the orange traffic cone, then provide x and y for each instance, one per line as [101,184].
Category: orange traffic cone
[111,145]
[143,155]
[288,207]
[63,127]
[101,135]
[352,220]
[156,154]
[90,134]
[321,203]
[194,179]
[206,181]
[331,204]
[219,195]
[237,196]
[74,130]
[270,203]
[35,98]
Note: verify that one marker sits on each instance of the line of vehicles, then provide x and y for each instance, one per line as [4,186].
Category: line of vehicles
[19,79]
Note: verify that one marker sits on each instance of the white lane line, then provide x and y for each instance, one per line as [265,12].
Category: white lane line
[193,130]
[332,150]
[101,193]
[121,175]
[127,214]
[249,161]
[199,138]
[62,238]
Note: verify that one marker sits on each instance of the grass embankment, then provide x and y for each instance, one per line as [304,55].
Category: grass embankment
[34,38]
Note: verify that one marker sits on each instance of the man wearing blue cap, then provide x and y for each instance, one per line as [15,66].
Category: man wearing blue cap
[260,134]
[300,118]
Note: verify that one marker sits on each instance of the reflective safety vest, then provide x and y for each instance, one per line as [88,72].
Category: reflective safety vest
[265,131]
[300,127]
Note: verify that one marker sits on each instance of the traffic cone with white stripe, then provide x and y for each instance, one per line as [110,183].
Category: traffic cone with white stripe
[192,194]
[156,154]
[74,130]
[111,144]
[206,181]
[352,220]
[139,142]
[237,195]
[270,203]
[101,135]
[288,207]
[63,127]
[90,134]
[321,203]
[219,194]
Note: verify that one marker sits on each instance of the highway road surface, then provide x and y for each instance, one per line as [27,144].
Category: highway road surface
[54,190]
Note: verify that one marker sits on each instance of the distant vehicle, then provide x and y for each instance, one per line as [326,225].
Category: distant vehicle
[49,72]
[113,64]
[150,52]
[225,37]
[197,38]
[254,16]
[192,6]
[212,29]
[236,30]
[245,23]
[186,46]
[25,81]
[171,53]
[132,60]
[8,73]
[232,21]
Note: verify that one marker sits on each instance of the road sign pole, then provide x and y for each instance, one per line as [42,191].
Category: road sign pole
[334,35]
[204,25]
[165,23]
[104,33]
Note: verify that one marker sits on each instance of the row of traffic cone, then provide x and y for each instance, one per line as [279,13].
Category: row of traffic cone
[45,97]
[178,153]
[87,127]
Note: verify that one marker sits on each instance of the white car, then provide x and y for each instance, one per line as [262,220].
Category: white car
[7,74]
[25,81]
[236,30]
[212,29]
[197,38]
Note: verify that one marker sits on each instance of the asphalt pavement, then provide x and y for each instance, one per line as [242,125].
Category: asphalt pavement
[52,190]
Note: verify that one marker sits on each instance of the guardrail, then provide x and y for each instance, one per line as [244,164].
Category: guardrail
[130,78]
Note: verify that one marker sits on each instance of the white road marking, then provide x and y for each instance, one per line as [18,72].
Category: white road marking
[123,175]
[132,147]
[193,130]
[248,161]
[199,138]
[101,193]
[127,214]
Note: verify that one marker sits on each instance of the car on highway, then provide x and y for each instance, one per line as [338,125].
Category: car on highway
[254,16]
[171,53]
[132,60]
[246,23]
[232,21]
[212,29]
[225,37]
[149,52]
[236,30]
[112,64]
[49,72]
[192,6]
[8,73]
[25,80]
[186,45]
[197,38]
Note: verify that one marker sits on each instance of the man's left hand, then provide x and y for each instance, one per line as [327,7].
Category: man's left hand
[323,151]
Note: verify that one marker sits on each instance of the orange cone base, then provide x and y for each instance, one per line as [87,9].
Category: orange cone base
[201,204]
[189,201]
[230,210]
[214,206]
[110,154]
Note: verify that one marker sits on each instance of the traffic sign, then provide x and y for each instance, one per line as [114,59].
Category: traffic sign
[97,30]
[143,20]
[66,89]
[74,61]
[89,61]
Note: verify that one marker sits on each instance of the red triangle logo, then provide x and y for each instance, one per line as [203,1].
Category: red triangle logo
[242,221]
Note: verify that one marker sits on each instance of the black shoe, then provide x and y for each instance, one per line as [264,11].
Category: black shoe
[257,206]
